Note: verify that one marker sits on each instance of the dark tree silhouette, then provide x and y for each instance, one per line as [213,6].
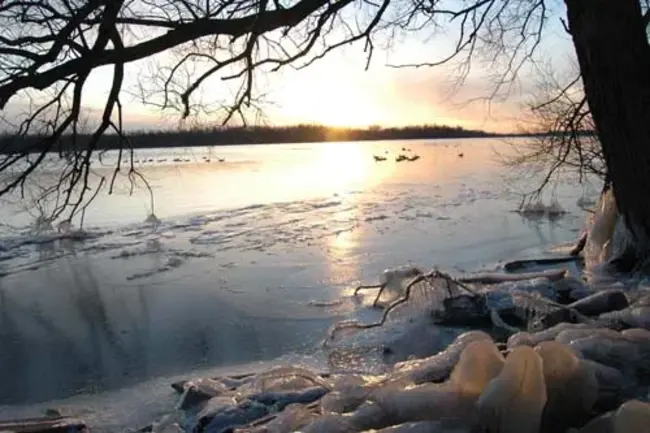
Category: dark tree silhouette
[564,139]
[49,49]
[614,57]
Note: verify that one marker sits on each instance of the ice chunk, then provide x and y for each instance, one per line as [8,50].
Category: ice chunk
[640,338]
[601,302]
[427,402]
[438,367]
[224,418]
[632,417]
[292,418]
[328,424]
[395,281]
[571,387]
[479,363]
[514,400]
[536,208]
[338,402]
[600,424]
[634,316]
[598,248]
[520,339]
[637,335]
[552,332]
[611,382]
[614,352]
[199,390]
[64,226]
[540,285]
[569,335]
[425,427]
[281,399]
[344,401]
[285,378]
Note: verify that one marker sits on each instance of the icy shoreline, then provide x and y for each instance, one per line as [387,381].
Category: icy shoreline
[578,370]
[177,251]
[120,311]
[434,368]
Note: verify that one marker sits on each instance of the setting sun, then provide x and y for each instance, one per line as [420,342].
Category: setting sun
[343,104]
[340,93]
[335,111]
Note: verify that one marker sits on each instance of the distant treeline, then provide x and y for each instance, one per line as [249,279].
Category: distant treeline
[225,136]
[244,135]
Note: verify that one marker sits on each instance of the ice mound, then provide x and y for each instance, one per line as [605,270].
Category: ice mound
[438,367]
[479,363]
[631,417]
[152,219]
[397,282]
[531,390]
[410,322]
[571,386]
[537,208]
[568,375]
[602,224]
[513,402]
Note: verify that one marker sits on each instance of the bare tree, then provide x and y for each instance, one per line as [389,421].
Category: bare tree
[49,48]
[562,140]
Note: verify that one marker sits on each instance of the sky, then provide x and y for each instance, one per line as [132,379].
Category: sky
[338,91]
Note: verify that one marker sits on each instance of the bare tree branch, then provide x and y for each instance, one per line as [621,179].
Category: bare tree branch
[567,144]
[48,50]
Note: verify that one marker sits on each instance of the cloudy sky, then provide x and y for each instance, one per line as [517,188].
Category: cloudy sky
[339,91]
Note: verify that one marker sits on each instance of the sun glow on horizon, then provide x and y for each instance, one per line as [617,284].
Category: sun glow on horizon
[338,91]
[336,94]
[337,105]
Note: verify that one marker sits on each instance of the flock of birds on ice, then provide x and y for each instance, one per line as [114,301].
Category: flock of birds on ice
[404,156]
[205,159]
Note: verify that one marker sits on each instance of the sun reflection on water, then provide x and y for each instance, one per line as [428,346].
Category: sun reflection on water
[351,168]
[342,247]
[342,260]
[338,167]
[344,241]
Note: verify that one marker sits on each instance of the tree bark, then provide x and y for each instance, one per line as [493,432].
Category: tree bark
[614,58]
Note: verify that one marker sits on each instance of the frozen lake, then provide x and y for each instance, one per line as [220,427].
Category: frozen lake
[236,272]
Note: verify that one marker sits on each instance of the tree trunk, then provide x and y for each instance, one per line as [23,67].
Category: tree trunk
[614,57]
